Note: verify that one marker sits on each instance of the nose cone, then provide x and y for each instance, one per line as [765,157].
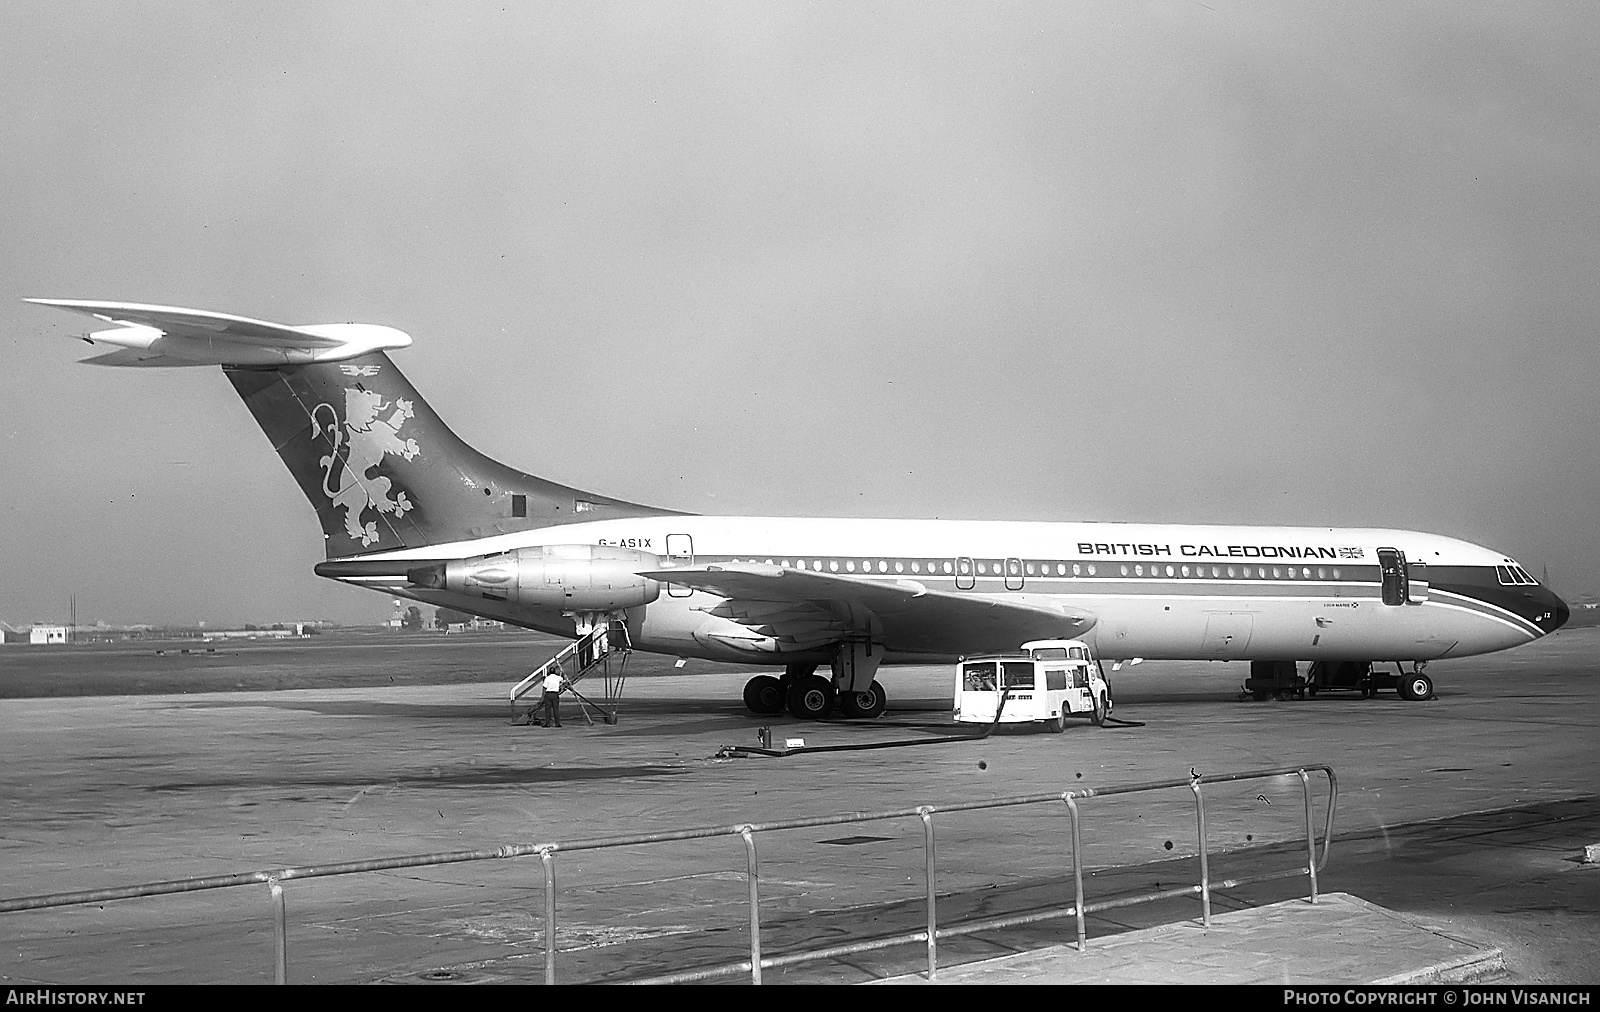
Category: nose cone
[1559,613]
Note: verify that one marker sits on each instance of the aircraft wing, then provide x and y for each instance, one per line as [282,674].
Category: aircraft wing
[197,324]
[903,615]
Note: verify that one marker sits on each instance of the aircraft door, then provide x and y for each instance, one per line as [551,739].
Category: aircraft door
[1013,574]
[1392,568]
[680,550]
[1416,582]
[964,571]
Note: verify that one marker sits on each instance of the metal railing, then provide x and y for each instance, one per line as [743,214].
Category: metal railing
[930,935]
[565,654]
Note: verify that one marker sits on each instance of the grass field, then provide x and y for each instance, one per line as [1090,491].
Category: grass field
[339,659]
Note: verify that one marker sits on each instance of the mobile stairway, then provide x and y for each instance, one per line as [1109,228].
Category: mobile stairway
[603,649]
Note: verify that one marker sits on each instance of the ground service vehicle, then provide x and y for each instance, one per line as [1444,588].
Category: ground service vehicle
[1045,683]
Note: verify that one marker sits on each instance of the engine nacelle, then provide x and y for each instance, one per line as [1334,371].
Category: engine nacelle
[569,577]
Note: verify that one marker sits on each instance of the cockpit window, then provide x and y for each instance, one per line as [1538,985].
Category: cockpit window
[1514,576]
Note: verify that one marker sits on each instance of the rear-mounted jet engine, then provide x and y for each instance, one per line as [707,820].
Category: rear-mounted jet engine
[570,577]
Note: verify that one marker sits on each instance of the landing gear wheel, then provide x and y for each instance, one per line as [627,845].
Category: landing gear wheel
[1261,695]
[1416,687]
[864,705]
[811,698]
[1102,707]
[763,695]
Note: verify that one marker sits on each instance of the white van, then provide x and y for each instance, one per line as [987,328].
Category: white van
[1044,683]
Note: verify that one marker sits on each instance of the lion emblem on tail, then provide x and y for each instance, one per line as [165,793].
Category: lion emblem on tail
[365,439]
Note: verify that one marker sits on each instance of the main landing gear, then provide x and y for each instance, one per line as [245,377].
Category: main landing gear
[809,696]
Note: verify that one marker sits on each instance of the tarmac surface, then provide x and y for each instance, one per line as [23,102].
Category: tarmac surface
[1355,941]
[1462,817]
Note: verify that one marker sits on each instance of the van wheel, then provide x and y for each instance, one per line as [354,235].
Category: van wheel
[1056,724]
[1102,706]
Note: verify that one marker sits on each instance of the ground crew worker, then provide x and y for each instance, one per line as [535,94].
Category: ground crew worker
[553,684]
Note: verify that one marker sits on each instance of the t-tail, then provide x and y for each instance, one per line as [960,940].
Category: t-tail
[381,469]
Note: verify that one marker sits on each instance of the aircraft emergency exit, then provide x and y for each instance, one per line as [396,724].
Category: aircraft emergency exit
[407,508]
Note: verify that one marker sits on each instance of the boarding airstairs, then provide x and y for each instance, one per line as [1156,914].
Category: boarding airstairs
[603,649]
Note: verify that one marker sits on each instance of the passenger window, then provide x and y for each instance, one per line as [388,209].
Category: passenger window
[1055,678]
[1050,654]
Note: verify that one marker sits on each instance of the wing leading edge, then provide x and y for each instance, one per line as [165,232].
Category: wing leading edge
[903,615]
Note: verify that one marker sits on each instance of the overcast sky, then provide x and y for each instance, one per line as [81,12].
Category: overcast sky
[1184,262]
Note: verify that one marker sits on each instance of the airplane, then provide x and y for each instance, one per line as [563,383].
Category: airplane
[409,509]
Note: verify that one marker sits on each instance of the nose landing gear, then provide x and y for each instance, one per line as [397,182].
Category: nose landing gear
[1415,687]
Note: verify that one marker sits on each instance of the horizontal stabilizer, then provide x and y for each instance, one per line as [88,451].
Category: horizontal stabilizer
[137,358]
[172,336]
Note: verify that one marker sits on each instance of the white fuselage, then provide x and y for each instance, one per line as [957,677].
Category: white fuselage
[1156,591]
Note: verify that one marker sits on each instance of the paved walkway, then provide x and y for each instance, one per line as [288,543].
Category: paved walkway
[1340,940]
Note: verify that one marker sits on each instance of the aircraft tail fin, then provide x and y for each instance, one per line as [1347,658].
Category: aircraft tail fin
[385,472]
[381,469]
